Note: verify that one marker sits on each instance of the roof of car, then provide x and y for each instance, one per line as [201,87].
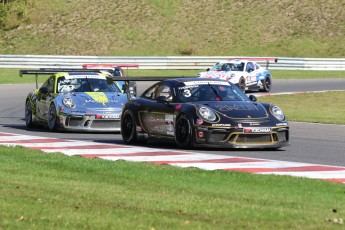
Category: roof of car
[193,79]
[77,73]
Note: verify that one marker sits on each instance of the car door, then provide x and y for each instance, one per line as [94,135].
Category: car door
[158,115]
[44,97]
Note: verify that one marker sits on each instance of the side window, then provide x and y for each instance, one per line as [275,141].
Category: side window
[257,66]
[49,84]
[164,91]
[250,67]
[150,93]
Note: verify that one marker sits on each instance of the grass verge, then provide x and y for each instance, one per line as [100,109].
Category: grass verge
[54,191]
[11,76]
[311,107]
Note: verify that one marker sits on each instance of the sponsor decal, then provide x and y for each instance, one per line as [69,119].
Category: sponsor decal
[187,87]
[99,97]
[159,123]
[192,83]
[242,107]
[84,76]
[221,125]
[77,111]
[201,134]
[116,116]
[282,124]
[254,124]
[199,122]
[257,130]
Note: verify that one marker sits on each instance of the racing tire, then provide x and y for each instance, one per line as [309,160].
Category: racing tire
[128,127]
[52,118]
[242,84]
[183,132]
[28,115]
[266,84]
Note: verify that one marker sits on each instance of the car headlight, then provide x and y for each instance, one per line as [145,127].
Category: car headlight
[278,113]
[207,113]
[69,103]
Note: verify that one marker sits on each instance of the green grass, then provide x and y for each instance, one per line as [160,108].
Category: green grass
[53,191]
[311,107]
[160,28]
[11,76]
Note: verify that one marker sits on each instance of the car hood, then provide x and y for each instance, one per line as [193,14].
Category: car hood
[238,109]
[99,99]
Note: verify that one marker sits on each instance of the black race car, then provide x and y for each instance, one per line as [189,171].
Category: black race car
[203,112]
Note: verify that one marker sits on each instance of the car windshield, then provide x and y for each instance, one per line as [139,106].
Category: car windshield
[86,84]
[228,67]
[209,91]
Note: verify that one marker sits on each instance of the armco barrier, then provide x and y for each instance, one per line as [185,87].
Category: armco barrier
[163,62]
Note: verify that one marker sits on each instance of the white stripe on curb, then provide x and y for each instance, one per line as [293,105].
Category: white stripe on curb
[184,159]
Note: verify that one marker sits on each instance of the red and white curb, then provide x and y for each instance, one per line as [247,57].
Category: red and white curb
[184,159]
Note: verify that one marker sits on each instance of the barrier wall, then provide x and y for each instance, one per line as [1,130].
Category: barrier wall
[163,62]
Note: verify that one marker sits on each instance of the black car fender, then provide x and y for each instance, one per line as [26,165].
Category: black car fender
[135,107]
[190,111]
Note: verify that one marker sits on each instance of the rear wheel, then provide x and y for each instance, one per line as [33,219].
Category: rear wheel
[266,84]
[183,132]
[28,115]
[52,118]
[128,127]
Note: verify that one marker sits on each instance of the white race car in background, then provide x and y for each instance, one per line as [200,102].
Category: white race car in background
[245,73]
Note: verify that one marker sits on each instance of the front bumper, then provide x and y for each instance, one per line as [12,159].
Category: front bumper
[90,123]
[277,137]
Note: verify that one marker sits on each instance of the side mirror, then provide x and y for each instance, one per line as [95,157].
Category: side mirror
[253,98]
[43,90]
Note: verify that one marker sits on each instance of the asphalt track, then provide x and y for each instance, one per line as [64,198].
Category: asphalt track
[309,143]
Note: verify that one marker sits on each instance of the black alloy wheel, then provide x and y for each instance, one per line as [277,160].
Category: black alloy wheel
[266,84]
[183,132]
[128,127]
[52,118]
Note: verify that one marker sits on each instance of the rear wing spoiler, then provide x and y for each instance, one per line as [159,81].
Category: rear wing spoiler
[257,59]
[130,82]
[49,71]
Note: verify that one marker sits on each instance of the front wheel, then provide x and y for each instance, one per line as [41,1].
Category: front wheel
[266,84]
[183,132]
[52,118]
[128,127]
[242,84]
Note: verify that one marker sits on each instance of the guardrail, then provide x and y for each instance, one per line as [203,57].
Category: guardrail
[163,62]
